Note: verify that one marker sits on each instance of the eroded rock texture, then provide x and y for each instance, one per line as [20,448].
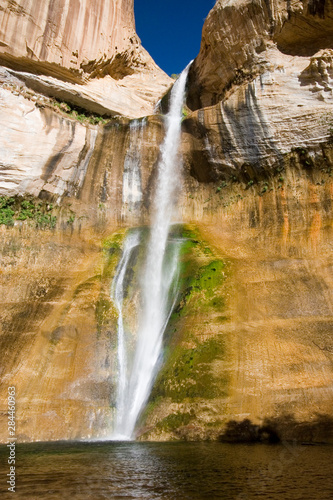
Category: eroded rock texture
[72,42]
[70,37]
[237,33]
[258,151]
[58,323]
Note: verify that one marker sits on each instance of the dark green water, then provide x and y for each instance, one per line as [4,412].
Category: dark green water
[169,471]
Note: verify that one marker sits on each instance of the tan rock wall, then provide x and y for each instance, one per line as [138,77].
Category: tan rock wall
[74,41]
[52,352]
[233,49]
[275,320]
[66,32]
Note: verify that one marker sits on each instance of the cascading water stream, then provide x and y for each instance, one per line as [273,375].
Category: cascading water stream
[117,294]
[132,191]
[156,281]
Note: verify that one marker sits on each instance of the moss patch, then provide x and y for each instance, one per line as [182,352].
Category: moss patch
[193,340]
[210,277]
[37,212]
[202,276]
[105,311]
[187,373]
[174,421]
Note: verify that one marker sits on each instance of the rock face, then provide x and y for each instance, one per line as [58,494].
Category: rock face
[70,37]
[67,64]
[258,151]
[253,360]
[40,149]
[74,42]
[256,97]
[59,393]
[250,350]
[258,123]
[55,307]
[227,58]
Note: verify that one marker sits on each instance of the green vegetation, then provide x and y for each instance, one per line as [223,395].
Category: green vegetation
[113,243]
[71,219]
[187,373]
[46,221]
[210,277]
[112,250]
[174,421]
[304,158]
[36,212]
[221,186]
[185,112]
[6,211]
[264,188]
[105,312]
[79,114]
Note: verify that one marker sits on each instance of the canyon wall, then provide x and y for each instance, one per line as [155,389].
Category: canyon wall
[248,348]
[83,53]
[71,69]
[68,37]
[252,358]
[234,50]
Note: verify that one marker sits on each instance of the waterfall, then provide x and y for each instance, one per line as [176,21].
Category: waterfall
[132,193]
[157,278]
[117,294]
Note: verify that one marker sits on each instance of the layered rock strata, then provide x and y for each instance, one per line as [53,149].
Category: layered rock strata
[86,53]
[233,50]
[68,38]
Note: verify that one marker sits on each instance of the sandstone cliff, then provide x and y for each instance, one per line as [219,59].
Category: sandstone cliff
[70,66]
[256,96]
[67,38]
[89,47]
[249,352]
[258,151]
[237,34]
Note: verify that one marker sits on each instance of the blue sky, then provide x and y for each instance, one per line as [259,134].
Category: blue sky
[171,30]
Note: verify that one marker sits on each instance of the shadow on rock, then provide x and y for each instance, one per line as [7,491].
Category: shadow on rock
[284,428]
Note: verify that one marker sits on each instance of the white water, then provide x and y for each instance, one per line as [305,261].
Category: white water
[117,294]
[132,193]
[158,275]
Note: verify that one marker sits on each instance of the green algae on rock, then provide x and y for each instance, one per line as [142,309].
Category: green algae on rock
[187,381]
